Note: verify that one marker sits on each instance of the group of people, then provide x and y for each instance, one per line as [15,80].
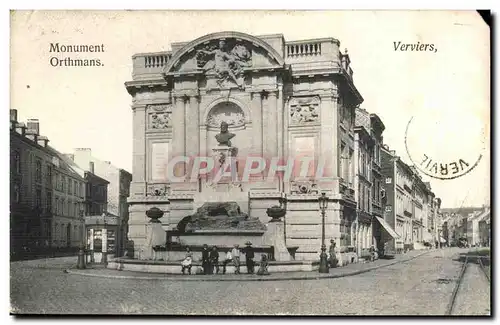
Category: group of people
[210,259]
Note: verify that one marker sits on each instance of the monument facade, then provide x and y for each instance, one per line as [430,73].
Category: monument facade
[229,98]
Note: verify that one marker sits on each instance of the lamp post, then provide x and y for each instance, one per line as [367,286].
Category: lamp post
[283,202]
[105,242]
[323,258]
[81,251]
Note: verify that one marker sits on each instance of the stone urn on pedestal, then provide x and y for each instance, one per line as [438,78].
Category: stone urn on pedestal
[275,234]
[154,214]
[155,234]
[276,213]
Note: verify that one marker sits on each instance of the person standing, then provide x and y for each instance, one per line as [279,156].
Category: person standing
[227,259]
[214,260]
[205,259]
[249,255]
[333,258]
[236,258]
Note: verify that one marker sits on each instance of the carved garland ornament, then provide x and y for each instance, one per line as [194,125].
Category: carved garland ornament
[304,110]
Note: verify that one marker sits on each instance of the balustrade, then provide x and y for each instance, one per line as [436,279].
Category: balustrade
[303,49]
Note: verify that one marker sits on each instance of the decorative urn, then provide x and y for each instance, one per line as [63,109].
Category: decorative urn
[154,214]
[276,213]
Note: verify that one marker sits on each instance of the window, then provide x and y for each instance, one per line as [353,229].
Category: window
[57,205]
[75,187]
[48,205]
[351,168]
[76,209]
[341,161]
[49,174]
[38,171]
[38,198]
[69,185]
[62,206]
[17,193]
[388,180]
[63,181]
[17,162]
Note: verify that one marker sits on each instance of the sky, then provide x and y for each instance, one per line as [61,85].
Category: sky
[446,93]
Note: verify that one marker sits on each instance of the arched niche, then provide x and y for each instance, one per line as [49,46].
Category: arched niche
[228,112]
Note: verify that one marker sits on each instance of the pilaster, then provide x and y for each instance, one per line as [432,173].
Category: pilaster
[139,150]
[179,131]
[192,128]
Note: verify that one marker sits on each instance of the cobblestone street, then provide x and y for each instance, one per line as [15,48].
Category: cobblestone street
[422,286]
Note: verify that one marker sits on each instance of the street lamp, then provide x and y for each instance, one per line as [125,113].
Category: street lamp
[81,251]
[323,258]
[105,242]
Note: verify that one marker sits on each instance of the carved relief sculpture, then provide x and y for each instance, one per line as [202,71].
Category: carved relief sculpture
[305,187]
[226,64]
[161,118]
[231,119]
[303,110]
[158,190]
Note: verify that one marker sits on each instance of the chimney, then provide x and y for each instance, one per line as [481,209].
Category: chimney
[13,115]
[43,141]
[91,167]
[21,129]
[34,126]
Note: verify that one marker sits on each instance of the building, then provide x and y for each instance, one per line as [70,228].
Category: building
[46,193]
[280,99]
[420,210]
[485,230]
[382,231]
[363,182]
[115,206]
[399,189]
[474,235]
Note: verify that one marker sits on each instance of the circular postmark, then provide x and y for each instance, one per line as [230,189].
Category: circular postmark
[445,148]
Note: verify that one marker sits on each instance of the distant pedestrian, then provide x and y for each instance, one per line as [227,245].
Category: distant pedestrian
[228,259]
[236,258]
[205,259]
[249,256]
[214,260]
[372,253]
[263,265]
[333,258]
[187,262]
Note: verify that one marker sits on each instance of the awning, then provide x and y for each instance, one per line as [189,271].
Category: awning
[442,240]
[387,228]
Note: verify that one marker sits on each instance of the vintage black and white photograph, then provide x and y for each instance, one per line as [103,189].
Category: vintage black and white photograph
[243,163]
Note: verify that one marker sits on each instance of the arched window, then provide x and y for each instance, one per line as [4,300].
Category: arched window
[16,162]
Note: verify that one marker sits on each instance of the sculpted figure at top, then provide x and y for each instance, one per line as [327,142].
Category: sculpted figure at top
[225,64]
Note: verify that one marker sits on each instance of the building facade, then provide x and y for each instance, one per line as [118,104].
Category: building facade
[363,183]
[46,194]
[114,202]
[399,189]
[117,191]
[382,231]
[280,98]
